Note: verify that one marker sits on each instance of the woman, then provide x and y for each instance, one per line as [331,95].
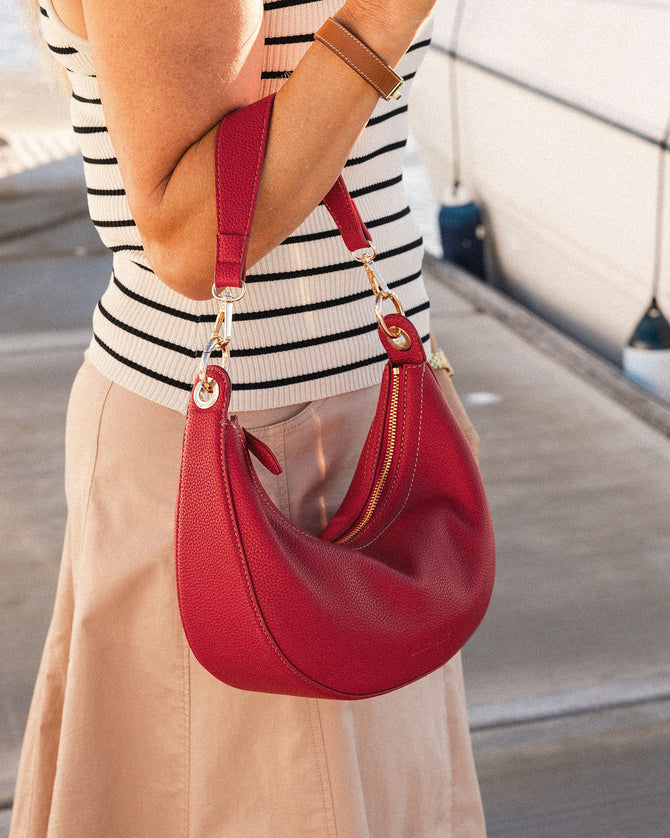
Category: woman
[128,735]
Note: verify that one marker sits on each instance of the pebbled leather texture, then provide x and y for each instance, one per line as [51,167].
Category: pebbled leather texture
[398,581]
[240,149]
[269,607]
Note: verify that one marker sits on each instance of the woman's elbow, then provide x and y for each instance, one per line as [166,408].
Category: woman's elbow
[178,256]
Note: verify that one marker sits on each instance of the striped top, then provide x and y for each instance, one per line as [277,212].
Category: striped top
[306,328]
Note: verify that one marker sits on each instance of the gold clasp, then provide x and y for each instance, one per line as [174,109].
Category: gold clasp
[224,320]
[399,336]
[226,297]
[382,292]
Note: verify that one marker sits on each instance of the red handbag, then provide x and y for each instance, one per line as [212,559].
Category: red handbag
[402,575]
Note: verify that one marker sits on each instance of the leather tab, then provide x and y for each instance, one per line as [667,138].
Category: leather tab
[414,354]
[230,247]
[262,453]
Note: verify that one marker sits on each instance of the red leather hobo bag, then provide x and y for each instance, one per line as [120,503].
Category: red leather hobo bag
[402,575]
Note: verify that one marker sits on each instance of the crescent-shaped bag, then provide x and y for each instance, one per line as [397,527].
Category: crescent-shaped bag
[402,575]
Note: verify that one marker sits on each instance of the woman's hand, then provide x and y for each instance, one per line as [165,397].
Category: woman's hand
[385,24]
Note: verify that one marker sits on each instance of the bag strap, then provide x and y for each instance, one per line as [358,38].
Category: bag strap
[240,149]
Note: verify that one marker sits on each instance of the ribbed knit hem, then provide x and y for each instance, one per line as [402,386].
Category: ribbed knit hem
[168,396]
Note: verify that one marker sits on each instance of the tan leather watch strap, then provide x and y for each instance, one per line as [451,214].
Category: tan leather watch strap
[360,58]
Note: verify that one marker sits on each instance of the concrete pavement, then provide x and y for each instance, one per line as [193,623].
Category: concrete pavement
[569,676]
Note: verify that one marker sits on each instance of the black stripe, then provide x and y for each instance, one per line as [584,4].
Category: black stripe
[312,237]
[312,376]
[240,353]
[118,222]
[63,50]
[89,129]
[303,308]
[256,315]
[284,4]
[375,120]
[388,219]
[306,343]
[404,280]
[410,312]
[101,161]
[329,269]
[334,302]
[85,100]
[322,340]
[180,385]
[419,45]
[355,161]
[174,312]
[409,76]
[144,267]
[329,234]
[121,247]
[75,73]
[375,187]
[403,248]
[309,376]
[131,330]
[276,74]
[44,12]
[259,385]
[289,39]
[107,193]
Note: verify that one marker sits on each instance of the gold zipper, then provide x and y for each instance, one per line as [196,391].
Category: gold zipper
[390,450]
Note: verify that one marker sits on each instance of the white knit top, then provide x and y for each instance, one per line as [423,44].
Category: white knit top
[306,328]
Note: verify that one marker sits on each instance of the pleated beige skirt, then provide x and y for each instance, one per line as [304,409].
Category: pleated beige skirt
[128,737]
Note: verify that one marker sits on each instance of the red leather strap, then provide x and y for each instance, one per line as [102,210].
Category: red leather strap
[240,149]
[344,211]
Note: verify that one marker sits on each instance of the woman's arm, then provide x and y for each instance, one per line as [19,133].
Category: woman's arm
[456,405]
[169,71]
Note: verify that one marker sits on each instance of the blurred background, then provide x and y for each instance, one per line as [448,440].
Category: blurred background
[538,167]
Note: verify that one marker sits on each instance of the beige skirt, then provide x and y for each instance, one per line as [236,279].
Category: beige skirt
[129,737]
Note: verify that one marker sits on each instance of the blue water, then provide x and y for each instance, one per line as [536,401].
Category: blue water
[17,49]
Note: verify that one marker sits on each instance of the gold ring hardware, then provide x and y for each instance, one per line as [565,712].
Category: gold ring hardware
[206,396]
[379,286]
[402,340]
[380,289]
[398,336]
[226,296]
[209,385]
[364,255]
[226,293]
